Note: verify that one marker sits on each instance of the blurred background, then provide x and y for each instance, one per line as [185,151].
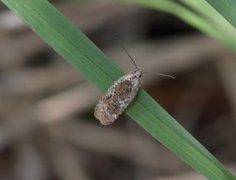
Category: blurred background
[47,128]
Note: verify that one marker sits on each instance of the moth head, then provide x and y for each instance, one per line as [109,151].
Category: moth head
[138,73]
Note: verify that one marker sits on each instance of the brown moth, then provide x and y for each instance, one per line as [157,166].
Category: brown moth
[113,103]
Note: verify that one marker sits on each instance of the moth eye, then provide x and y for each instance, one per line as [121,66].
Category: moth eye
[140,75]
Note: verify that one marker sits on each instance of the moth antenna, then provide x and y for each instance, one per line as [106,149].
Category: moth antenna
[123,47]
[160,74]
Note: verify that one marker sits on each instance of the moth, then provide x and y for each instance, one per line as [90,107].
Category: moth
[119,96]
[113,103]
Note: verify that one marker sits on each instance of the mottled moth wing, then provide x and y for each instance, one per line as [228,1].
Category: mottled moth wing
[113,103]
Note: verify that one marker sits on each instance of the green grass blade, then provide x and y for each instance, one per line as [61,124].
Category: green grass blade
[78,50]
[227,8]
[215,20]
[206,20]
